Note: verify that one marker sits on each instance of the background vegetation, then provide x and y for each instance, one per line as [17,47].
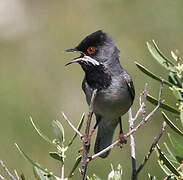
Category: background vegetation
[34,81]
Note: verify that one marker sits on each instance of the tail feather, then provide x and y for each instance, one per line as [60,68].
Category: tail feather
[105,134]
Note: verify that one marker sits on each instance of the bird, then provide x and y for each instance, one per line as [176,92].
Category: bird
[99,59]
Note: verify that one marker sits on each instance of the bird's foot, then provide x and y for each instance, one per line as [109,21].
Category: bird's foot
[122,140]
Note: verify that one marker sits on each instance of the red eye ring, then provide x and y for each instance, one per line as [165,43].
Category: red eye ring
[91,50]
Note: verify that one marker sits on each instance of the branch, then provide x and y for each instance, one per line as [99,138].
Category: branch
[17,176]
[132,143]
[86,141]
[1,177]
[155,142]
[7,171]
[71,125]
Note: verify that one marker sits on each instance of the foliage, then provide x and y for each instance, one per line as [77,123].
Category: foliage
[113,175]
[42,173]
[60,154]
[170,163]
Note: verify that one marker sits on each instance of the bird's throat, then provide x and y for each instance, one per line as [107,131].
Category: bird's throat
[98,77]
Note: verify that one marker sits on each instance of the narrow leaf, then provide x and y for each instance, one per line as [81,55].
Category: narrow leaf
[170,156]
[163,105]
[151,177]
[115,174]
[94,177]
[78,160]
[166,162]
[179,159]
[58,130]
[159,56]
[181,113]
[30,160]
[174,55]
[56,155]
[171,159]
[41,175]
[174,79]
[40,133]
[164,168]
[172,126]
[178,145]
[78,128]
[176,93]
[152,75]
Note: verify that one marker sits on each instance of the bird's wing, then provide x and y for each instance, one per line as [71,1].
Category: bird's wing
[130,85]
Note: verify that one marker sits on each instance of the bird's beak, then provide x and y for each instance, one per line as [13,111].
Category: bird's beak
[71,50]
[82,58]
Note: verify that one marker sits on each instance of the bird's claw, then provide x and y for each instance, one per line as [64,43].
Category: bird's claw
[122,140]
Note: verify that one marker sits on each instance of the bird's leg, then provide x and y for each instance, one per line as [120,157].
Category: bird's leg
[121,135]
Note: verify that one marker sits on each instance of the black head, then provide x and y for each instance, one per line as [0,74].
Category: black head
[96,49]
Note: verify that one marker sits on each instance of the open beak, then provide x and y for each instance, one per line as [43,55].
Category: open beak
[82,58]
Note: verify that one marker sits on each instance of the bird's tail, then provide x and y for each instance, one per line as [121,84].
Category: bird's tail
[105,134]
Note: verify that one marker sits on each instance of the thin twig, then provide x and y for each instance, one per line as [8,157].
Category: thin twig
[142,104]
[144,121]
[71,125]
[146,158]
[7,171]
[62,172]
[1,177]
[132,143]
[145,101]
[17,176]
[86,141]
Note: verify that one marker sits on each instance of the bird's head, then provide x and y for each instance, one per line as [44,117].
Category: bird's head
[97,49]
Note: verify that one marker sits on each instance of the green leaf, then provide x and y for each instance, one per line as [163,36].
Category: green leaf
[42,175]
[78,128]
[172,126]
[166,162]
[160,57]
[164,168]
[175,55]
[163,105]
[94,177]
[40,133]
[58,130]
[56,155]
[30,160]
[176,93]
[22,176]
[170,156]
[181,112]
[151,177]
[179,159]
[174,79]
[152,75]
[78,160]
[115,174]
[177,144]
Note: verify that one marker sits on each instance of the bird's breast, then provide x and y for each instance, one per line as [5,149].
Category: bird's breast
[111,102]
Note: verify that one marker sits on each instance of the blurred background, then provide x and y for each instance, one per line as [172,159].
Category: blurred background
[34,81]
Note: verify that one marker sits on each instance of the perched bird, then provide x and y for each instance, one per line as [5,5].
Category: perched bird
[100,61]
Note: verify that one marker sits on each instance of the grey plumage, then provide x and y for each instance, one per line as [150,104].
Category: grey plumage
[115,87]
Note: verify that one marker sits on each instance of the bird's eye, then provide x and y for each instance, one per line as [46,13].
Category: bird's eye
[91,50]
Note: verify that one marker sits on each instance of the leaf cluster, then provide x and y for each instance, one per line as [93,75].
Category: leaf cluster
[170,163]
